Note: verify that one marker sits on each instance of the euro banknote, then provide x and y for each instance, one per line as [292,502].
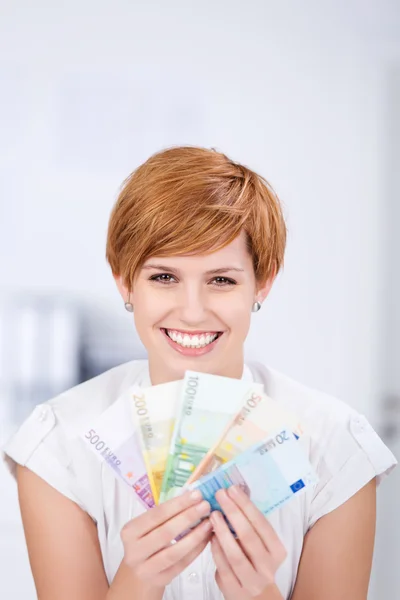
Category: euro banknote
[259,416]
[113,440]
[153,411]
[207,404]
[271,473]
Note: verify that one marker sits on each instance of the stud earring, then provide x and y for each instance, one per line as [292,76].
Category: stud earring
[129,306]
[256,307]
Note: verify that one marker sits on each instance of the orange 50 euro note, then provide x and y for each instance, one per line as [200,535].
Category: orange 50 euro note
[259,416]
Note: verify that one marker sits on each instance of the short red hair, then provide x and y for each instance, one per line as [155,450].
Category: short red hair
[190,200]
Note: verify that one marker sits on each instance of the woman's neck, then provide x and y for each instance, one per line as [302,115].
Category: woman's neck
[163,373]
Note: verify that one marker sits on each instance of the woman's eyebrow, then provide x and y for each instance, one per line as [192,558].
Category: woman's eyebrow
[223,270]
[210,272]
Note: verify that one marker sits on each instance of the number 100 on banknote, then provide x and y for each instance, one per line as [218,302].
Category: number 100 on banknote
[207,405]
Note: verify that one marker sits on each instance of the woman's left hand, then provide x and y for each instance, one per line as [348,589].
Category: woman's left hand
[246,566]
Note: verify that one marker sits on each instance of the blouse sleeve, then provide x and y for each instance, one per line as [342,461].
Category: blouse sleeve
[41,445]
[351,455]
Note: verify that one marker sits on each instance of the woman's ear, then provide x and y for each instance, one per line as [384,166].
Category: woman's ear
[264,289]
[121,287]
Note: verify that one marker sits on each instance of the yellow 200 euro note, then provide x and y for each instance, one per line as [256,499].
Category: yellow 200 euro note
[154,411]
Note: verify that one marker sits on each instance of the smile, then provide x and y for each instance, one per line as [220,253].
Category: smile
[198,340]
[191,344]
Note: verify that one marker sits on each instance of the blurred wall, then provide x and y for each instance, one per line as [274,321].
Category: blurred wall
[90,93]
[293,90]
[387,554]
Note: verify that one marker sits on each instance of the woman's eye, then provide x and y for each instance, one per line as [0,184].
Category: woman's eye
[158,278]
[225,281]
[165,278]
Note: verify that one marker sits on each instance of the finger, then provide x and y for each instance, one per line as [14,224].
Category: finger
[169,557]
[162,536]
[247,535]
[226,575]
[238,561]
[169,574]
[259,522]
[160,514]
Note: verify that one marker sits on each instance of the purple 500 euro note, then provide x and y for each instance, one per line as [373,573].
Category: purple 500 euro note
[113,439]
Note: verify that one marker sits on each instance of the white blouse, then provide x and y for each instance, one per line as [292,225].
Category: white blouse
[342,446]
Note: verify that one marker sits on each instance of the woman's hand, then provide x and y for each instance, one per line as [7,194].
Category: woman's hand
[147,538]
[246,566]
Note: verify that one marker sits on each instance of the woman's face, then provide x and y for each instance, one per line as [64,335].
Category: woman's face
[192,299]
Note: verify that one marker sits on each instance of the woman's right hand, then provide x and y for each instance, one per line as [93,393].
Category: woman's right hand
[147,538]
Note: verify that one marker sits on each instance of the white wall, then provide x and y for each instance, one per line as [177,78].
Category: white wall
[387,574]
[88,94]
[294,90]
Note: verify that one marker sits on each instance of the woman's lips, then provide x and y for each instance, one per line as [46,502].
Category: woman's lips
[191,351]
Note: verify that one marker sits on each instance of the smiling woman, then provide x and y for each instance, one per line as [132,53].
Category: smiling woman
[195,242]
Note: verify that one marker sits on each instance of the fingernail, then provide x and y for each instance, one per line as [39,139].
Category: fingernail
[234,490]
[214,517]
[203,507]
[206,525]
[222,492]
[196,495]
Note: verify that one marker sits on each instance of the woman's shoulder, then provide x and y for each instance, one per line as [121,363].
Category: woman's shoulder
[83,403]
[49,440]
[335,428]
[343,447]
[317,409]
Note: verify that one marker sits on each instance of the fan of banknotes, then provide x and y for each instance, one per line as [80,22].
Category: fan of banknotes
[207,432]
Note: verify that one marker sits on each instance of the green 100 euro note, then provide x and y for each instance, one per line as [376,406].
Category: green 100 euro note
[207,405]
[258,417]
[153,410]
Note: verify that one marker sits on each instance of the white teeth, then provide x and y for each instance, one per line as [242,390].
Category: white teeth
[195,341]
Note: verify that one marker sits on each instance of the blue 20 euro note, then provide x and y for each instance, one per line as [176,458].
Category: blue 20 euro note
[271,473]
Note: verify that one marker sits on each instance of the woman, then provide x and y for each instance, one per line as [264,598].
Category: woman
[195,242]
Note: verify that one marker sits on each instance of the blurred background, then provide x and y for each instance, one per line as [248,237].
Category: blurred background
[307,94]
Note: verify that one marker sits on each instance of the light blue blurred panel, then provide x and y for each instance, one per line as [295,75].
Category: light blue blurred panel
[40,340]
[52,342]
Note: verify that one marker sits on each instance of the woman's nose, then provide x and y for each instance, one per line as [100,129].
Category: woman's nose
[192,305]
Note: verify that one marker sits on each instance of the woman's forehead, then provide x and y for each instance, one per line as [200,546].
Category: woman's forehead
[234,255]
[235,249]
